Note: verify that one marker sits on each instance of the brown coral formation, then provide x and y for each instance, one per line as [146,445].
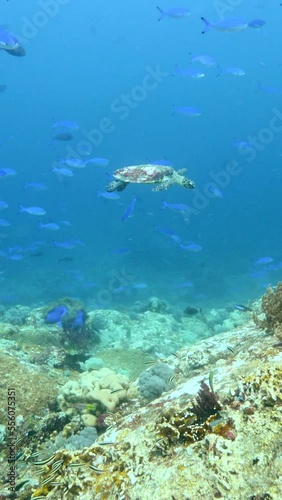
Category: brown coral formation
[272,308]
[34,391]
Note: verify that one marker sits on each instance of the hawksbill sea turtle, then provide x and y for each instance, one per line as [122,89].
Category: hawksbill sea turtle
[161,175]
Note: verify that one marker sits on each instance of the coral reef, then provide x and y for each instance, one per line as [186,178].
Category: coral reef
[93,435]
[103,389]
[34,390]
[155,305]
[153,382]
[15,315]
[272,309]
[83,439]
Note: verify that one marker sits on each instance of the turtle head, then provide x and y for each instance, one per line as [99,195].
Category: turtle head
[187,183]
[116,186]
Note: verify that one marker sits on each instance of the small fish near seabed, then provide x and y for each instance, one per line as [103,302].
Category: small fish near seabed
[242,307]
[191,311]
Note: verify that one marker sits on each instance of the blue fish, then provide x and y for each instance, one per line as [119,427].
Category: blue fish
[187,110]
[263,260]
[129,211]
[66,223]
[164,230]
[175,12]
[269,89]
[213,189]
[8,41]
[120,289]
[165,163]
[51,226]
[78,242]
[178,207]
[108,196]
[256,23]
[203,59]
[73,162]
[79,320]
[56,314]
[68,245]
[3,205]
[102,162]
[185,284]
[242,145]
[32,210]
[226,24]
[169,233]
[2,172]
[15,249]
[139,286]
[192,247]
[242,307]
[232,71]
[190,72]
[274,267]
[4,223]
[89,284]
[121,251]
[6,139]
[9,171]
[65,172]
[15,257]
[66,124]
[35,186]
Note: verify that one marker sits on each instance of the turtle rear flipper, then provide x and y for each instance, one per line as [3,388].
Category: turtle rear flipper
[116,186]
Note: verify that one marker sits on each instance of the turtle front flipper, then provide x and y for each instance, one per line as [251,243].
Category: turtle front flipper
[116,186]
[187,183]
[163,185]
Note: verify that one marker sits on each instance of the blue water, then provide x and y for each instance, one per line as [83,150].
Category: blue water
[81,58]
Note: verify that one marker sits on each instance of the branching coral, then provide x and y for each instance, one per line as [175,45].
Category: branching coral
[272,308]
